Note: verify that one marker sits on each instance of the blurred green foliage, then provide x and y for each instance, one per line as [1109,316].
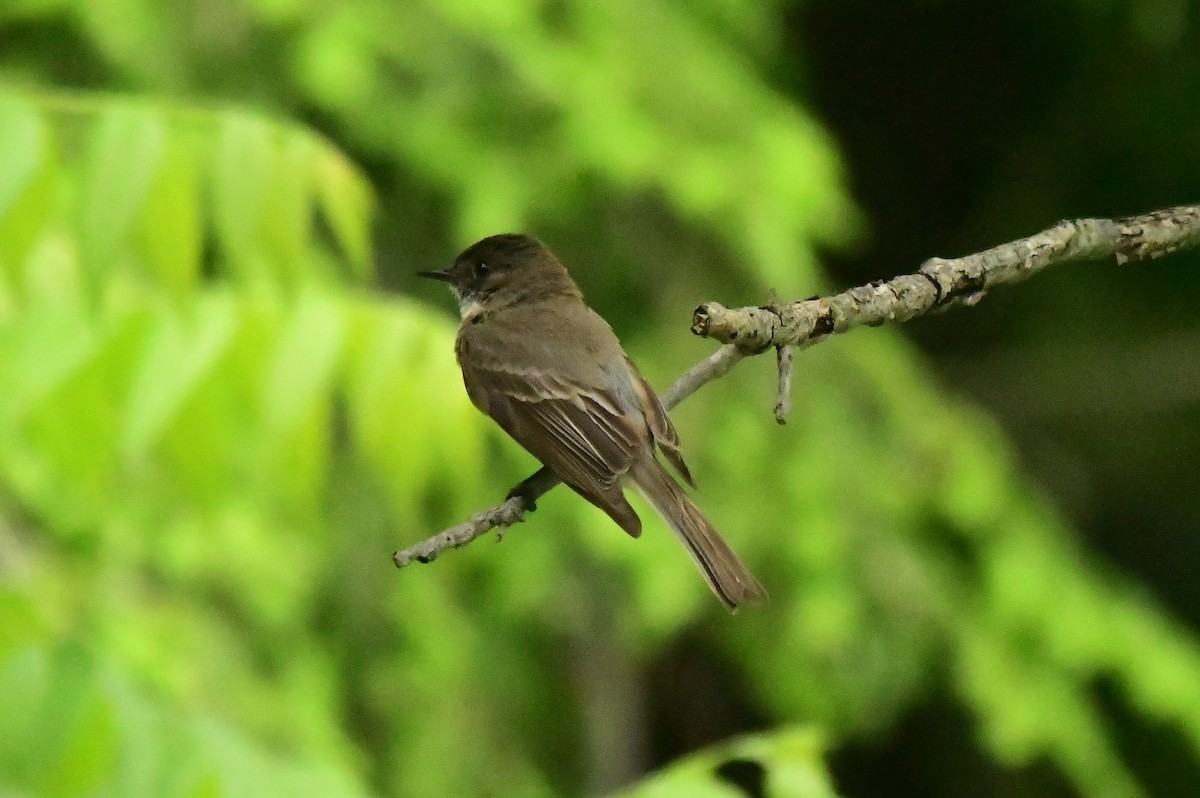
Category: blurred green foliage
[784,764]
[213,432]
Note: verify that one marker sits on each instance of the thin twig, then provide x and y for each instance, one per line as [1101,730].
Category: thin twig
[713,367]
[504,515]
[937,285]
[783,402]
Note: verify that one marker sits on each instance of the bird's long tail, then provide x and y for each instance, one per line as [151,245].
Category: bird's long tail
[726,575]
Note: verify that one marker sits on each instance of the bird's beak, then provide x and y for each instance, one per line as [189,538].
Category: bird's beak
[441,274]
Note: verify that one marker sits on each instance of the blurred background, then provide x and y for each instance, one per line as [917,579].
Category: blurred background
[225,399]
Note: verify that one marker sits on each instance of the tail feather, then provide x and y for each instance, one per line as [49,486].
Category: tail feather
[729,579]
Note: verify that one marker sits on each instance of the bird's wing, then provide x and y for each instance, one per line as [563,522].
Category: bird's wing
[584,424]
[660,423]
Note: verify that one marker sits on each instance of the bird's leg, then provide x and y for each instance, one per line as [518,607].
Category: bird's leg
[532,488]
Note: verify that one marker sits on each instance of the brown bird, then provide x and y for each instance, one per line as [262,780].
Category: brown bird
[549,370]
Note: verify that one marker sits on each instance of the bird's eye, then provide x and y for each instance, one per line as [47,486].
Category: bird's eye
[481,269]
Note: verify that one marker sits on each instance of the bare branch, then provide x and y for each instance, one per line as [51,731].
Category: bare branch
[712,367]
[937,285]
[504,515]
[941,283]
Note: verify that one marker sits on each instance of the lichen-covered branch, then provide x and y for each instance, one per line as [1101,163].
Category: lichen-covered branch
[941,283]
[938,284]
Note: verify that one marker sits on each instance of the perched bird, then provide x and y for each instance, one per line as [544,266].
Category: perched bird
[549,370]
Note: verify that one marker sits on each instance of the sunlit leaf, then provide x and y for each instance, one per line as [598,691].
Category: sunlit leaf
[286,208]
[24,679]
[244,164]
[22,148]
[27,196]
[73,729]
[303,362]
[789,761]
[171,221]
[345,200]
[178,354]
[126,153]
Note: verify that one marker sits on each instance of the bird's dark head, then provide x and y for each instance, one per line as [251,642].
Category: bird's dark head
[504,270]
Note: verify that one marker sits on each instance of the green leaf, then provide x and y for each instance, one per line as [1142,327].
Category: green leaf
[345,199]
[302,364]
[28,202]
[125,155]
[73,728]
[686,785]
[62,732]
[42,352]
[24,678]
[287,212]
[88,753]
[791,759]
[22,149]
[245,161]
[179,353]
[171,225]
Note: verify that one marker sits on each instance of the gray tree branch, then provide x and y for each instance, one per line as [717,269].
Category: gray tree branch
[937,285]
[941,283]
